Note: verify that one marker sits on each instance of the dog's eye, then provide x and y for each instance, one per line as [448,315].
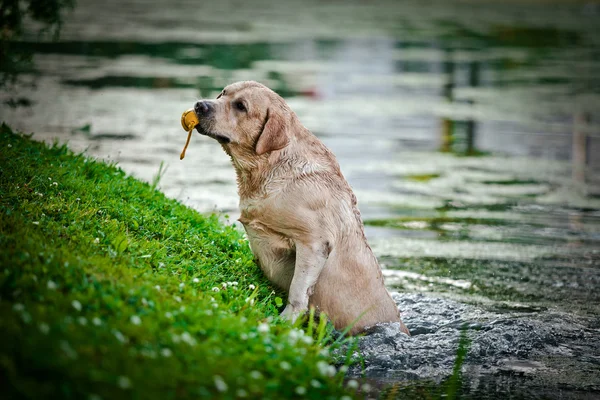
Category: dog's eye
[240,106]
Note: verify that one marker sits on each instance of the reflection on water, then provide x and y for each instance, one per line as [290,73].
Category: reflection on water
[470,133]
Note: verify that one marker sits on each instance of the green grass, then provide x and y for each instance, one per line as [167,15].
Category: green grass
[108,289]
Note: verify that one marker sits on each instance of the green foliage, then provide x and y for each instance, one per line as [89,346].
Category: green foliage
[15,58]
[110,289]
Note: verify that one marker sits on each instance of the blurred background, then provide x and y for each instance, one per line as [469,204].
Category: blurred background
[469,130]
[457,121]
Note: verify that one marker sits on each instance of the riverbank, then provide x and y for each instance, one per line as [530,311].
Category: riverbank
[108,289]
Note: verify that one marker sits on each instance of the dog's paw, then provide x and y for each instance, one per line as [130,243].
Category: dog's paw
[290,314]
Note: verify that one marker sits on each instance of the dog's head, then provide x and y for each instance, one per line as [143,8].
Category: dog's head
[246,117]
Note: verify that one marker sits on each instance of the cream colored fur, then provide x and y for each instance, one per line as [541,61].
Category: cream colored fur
[299,212]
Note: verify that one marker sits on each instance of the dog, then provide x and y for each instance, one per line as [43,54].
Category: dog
[298,210]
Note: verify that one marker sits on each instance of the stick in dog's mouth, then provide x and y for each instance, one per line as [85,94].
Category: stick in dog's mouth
[189,121]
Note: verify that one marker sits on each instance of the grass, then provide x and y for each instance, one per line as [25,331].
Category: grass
[108,289]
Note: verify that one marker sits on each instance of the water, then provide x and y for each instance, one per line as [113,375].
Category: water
[470,134]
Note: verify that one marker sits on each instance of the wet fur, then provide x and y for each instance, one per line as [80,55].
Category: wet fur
[299,212]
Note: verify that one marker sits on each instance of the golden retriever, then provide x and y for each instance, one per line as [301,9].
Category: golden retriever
[299,212]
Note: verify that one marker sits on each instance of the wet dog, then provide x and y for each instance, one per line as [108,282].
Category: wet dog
[299,212]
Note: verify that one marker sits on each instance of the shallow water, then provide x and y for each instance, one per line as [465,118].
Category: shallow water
[470,134]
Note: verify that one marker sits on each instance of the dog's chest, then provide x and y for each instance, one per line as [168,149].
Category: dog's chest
[274,252]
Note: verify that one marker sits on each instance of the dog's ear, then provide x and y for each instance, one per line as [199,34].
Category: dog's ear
[275,134]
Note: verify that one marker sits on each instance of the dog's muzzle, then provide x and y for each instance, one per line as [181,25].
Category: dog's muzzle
[205,111]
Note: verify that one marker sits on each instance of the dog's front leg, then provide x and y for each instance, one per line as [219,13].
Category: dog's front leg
[310,260]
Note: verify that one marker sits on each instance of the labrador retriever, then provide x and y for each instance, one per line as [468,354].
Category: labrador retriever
[299,212]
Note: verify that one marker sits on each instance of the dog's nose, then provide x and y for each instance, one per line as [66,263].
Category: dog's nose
[203,108]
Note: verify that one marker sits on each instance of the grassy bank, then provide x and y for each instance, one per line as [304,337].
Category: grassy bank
[108,289]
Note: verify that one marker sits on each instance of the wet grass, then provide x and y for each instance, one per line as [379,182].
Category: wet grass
[110,290]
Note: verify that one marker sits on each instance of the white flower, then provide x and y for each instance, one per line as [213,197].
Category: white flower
[241,393]
[18,307]
[315,383]
[195,280]
[44,328]
[166,352]
[157,287]
[300,390]
[263,328]
[136,320]
[249,300]
[181,284]
[78,199]
[284,365]
[168,315]
[9,145]
[76,305]
[97,321]
[255,375]
[344,369]
[36,222]
[366,387]
[187,338]
[345,398]
[123,382]
[352,384]
[220,383]
[120,337]
[177,299]
[51,285]
[307,339]
[215,289]
[97,240]
[294,335]
[233,283]
[49,178]
[69,351]
[54,183]
[82,321]
[251,287]
[325,369]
